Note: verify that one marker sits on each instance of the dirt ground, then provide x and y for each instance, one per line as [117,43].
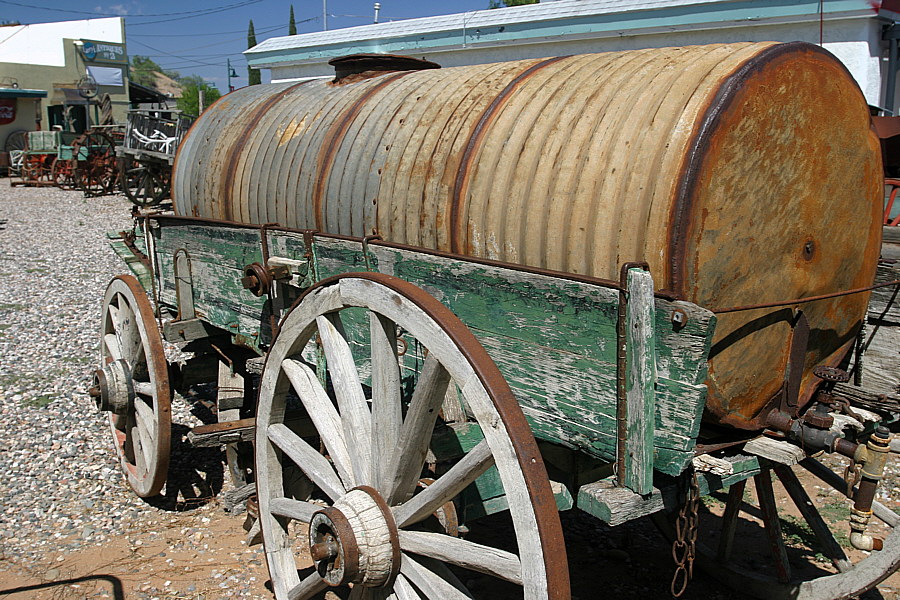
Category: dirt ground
[189,555]
[202,554]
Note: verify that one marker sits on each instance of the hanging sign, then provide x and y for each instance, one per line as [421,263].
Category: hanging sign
[108,52]
[7,111]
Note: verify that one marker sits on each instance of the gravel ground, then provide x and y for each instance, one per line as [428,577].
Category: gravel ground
[62,492]
[69,525]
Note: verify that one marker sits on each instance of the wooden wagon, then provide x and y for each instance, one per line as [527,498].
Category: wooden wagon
[381,397]
[146,156]
[37,159]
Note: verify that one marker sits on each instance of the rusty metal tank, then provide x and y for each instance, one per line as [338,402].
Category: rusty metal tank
[742,173]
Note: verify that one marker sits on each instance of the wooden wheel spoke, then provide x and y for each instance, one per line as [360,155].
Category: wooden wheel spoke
[113,346]
[398,439]
[141,447]
[310,461]
[293,509]
[354,410]
[129,337]
[403,589]
[321,411]
[309,587]
[145,417]
[451,483]
[145,388]
[405,464]
[766,497]
[462,553]
[387,415]
[806,507]
[428,582]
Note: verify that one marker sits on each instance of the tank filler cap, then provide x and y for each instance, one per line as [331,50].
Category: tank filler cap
[374,64]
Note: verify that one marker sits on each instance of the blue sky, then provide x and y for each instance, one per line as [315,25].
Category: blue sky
[173,34]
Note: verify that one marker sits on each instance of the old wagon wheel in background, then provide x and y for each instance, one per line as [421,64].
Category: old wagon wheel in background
[62,173]
[17,140]
[96,173]
[144,184]
[789,549]
[367,528]
[33,168]
[133,385]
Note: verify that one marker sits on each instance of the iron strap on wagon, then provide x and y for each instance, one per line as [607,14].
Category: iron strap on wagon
[414,290]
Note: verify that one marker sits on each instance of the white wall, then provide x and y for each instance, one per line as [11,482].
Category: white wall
[856,42]
[42,43]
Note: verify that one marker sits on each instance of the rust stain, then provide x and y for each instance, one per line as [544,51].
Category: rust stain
[332,142]
[291,130]
[241,140]
[461,183]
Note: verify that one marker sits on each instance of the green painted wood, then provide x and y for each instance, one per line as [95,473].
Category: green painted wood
[218,256]
[616,505]
[553,339]
[133,263]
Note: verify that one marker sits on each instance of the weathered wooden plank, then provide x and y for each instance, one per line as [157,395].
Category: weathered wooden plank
[185,331]
[218,256]
[134,263]
[880,374]
[552,338]
[884,303]
[640,385]
[777,451]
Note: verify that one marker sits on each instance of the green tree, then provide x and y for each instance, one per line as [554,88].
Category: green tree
[292,24]
[502,3]
[253,76]
[190,94]
[142,69]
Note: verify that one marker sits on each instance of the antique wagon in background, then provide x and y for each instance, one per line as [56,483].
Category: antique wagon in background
[590,281]
[145,159]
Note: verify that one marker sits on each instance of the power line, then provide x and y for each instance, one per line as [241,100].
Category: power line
[266,29]
[101,14]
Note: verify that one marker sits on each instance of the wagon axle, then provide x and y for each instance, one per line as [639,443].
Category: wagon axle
[112,388]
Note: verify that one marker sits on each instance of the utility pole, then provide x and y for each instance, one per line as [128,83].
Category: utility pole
[231,73]
[324,15]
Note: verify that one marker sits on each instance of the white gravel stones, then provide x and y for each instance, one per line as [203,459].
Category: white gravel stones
[59,476]
[61,489]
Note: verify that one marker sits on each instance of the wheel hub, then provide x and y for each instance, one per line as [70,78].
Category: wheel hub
[112,388]
[355,541]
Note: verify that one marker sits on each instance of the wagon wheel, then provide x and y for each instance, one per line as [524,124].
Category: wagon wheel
[32,168]
[96,174]
[372,535]
[788,549]
[145,185]
[17,140]
[61,173]
[133,385]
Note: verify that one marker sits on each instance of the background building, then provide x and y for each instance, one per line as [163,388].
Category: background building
[856,31]
[41,66]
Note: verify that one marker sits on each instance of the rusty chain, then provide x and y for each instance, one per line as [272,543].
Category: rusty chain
[684,546]
[852,475]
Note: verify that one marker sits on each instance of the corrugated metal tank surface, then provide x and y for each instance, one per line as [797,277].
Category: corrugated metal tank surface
[743,173]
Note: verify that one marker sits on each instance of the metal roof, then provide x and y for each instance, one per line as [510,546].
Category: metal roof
[20,93]
[563,19]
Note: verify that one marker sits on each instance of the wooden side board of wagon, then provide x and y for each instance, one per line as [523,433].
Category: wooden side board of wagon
[433,389]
